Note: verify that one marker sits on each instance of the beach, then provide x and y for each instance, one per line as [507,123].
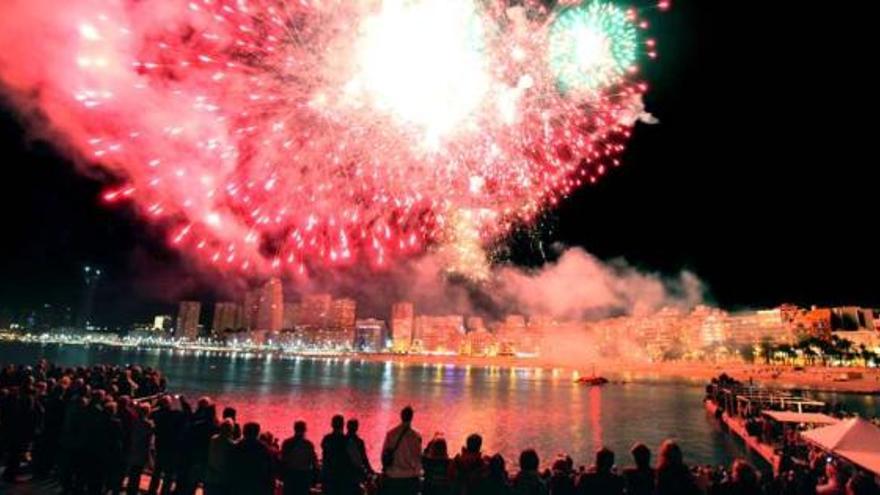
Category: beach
[816,378]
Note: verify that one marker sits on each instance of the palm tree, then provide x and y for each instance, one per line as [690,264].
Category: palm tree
[766,347]
[804,346]
[810,354]
[866,354]
[747,351]
[787,351]
[842,347]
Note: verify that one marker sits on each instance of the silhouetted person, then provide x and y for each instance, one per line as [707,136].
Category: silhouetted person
[73,444]
[562,477]
[469,468]
[7,411]
[231,414]
[113,461]
[23,413]
[835,483]
[862,484]
[169,429]
[436,463]
[336,469]
[528,481]
[599,479]
[271,443]
[357,454]
[252,464]
[48,445]
[497,481]
[640,479]
[673,476]
[401,457]
[142,431]
[197,436]
[220,453]
[743,480]
[127,414]
[299,462]
[97,437]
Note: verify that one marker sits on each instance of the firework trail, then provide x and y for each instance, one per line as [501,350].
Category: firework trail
[297,135]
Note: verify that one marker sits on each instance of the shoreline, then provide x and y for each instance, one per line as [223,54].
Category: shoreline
[812,378]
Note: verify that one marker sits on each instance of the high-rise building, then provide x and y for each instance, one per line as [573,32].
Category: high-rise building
[517,323]
[816,322]
[315,310]
[370,335]
[751,327]
[475,324]
[479,343]
[188,320]
[227,316]
[270,311]
[438,333]
[343,313]
[250,309]
[291,315]
[704,326]
[402,315]
[852,318]
[162,323]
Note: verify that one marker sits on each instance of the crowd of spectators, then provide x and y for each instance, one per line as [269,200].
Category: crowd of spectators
[115,429]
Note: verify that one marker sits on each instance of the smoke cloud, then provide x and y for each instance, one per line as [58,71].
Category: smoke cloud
[577,286]
[575,289]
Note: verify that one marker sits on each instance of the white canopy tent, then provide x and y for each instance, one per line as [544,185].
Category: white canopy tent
[853,439]
[807,418]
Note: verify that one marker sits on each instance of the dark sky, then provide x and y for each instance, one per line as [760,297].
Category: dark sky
[760,178]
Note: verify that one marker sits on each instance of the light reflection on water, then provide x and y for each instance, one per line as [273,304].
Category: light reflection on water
[512,408]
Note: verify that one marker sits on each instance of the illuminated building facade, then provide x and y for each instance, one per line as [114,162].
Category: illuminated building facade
[442,334]
[188,320]
[479,343]
[270,307]
[752,327]
[402,316]
[342,319]
[227,316]
[290,315]
[815,322]
[475,324]
[162,324]
[250,309]
[315,311]
[371,335]
[852,318]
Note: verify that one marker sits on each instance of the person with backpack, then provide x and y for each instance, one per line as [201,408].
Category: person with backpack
[402,457]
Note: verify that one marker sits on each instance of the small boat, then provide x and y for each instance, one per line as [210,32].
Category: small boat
[592,380]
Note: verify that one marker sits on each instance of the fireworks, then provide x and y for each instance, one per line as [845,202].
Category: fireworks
[593,45]
[293,135]
[423,62]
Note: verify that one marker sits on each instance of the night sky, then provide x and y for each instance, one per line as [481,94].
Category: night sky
[757,179]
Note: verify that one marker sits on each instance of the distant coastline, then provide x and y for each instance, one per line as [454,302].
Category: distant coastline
[812,378]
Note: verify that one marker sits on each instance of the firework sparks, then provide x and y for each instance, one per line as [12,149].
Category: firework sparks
[593,45]
[288,136]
